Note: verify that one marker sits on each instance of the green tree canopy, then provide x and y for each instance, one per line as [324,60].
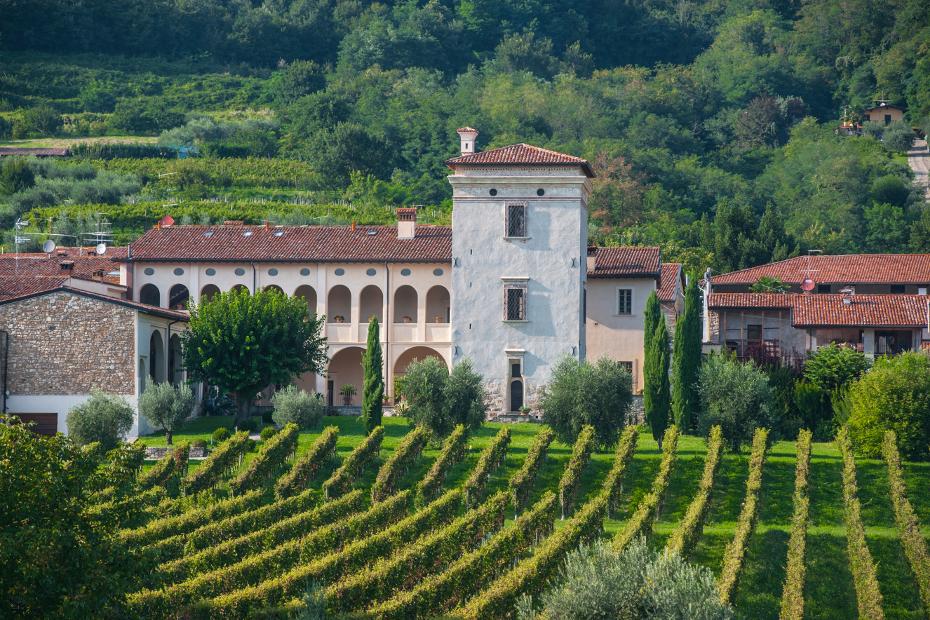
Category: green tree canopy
[373,388]
[656,397]
[686,360]
[734,395]
[166,406]
[440,400]
[103,418]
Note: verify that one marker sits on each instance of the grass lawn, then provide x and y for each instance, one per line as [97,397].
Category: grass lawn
[829,587]
[59,143]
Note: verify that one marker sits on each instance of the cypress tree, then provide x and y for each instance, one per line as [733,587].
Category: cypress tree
[373,391]
[656,390]
[651,316]
[686,359]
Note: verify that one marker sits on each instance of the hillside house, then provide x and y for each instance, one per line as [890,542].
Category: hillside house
[883,113]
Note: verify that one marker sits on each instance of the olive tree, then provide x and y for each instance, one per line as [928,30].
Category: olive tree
[104,418]
[734,395]
[167,407]
[441,400]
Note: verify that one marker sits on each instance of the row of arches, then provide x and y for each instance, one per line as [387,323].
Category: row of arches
[345,368]
[164,367]
[406,305]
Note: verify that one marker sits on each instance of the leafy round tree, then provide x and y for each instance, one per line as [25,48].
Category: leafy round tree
[373,386]
[833,366]
[464,397]
[894,395]
[581,393]
[734,395]
[292,405]
[686,360]
[656,398]
[440,400]
[104,418]
[166,406]
[243,343]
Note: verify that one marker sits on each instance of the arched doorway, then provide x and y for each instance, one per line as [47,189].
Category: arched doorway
[339,305]
[307,293]
[156,358]
[149,294]
[345,368]
[405,304]
[516,394]
[371,303]
[209,292]
[414,354]
[175,364]
[437,305]
[274,287]
[178,297]
[241,288]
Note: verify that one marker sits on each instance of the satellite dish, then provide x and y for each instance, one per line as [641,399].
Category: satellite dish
[166,221]
[48,247]
[101,249]
[807,285]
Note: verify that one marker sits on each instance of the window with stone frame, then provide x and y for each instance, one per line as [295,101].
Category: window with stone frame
[516,220]
[515,302]
[625,301]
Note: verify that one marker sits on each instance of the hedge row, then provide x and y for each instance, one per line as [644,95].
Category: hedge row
[307,466]
[613,484]
[453,450]
[647,510]
[190,520]
[406,453]
[792,598]
[735,552]
[533,573]
[232,551]
[521,483]
[421,558]
[364,454]
[689,529]
[172,466]
[219,464]
[254,569]
[571,476]
[915,546]
[472,572]
[269,462]
[353,557]
[233,526]
[488,461]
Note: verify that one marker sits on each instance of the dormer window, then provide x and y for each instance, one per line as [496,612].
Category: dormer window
[516,220]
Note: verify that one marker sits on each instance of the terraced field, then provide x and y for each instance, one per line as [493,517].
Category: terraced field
[467,537]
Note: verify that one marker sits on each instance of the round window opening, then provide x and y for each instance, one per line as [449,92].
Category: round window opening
[370,272]
[493,192]
[340,272]
[240,271]
[405,272]
[437,272]
[149,271]
[272,272]
[540,192]
[211,271]
[178,271]
[305,272]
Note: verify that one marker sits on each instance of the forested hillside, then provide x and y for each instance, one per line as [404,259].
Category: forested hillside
[711,125]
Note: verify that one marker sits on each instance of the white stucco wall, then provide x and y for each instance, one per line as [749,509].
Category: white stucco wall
[551,260]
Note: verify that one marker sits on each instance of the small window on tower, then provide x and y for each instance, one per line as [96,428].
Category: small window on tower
[515,302]
[516,220]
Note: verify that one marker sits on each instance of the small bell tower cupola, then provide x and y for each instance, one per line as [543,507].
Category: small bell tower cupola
[467,135]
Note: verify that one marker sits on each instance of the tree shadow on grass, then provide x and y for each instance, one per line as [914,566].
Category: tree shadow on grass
[726,497]
[825,487]
[777,495]
[828,588]
[895,579]
[759,590]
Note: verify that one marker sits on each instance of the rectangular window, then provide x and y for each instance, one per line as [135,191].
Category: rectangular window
[515,372]
[624,301]
[627,366]
[516,220]
[753,333]
[515,302]
[897,289]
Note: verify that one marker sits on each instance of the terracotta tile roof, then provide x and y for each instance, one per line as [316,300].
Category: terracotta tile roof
[520,154]
[625,262]
[668,281]
[828,310]
[46,286]
[83,263]
[237,243]
[34,152]
[839,269]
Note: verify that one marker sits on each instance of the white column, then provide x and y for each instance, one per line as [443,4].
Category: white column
[868,342]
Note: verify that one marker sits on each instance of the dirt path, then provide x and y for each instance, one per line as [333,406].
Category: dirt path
[919,160]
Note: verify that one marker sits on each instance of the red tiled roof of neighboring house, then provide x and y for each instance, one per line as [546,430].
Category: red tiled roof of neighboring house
[626,262]
[838,269]
[668,281]
[64,262]
[243,243]
[45,286]
[520,154]
[829,310]
[33,152]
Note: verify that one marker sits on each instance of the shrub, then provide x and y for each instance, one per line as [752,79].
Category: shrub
[686,534]
[735,396]
[364,454]
[269,462]
[453,450]
[397,464]
[571,477]
[308,464]
[292,405]
[220,435]
[813,405]
[786,418]
[16,175]
[267,433]
[792,599]
[440,400]
[167,407]
[103,418]
[39,121]
[636,583]
[521,483]
[833,366]
[894,395]
[582,394]
[144,115]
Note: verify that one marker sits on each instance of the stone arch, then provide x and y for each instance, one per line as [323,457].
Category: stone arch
[156,357]
[308,294]
[175,362]
[405,304]
[339,305]
[371,302]
[415,354]
[149,294]
[345,368]
[209,292]
[516,394]
[274,287]
[178,297]
[438,304]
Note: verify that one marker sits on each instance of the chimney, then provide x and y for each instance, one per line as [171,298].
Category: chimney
[592,258]
[406,222]
[848,293]
[467,136]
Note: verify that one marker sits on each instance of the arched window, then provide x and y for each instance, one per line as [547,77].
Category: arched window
[339,305]
[241,288]
[307,293]
[437,305]
[371,302]
[516,394]
[405,304]
[175,365]
[209,292]
[150,295]
[178,297]
[156,358]
[274,287]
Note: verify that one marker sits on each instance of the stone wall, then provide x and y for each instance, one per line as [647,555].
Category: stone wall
[62,343]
